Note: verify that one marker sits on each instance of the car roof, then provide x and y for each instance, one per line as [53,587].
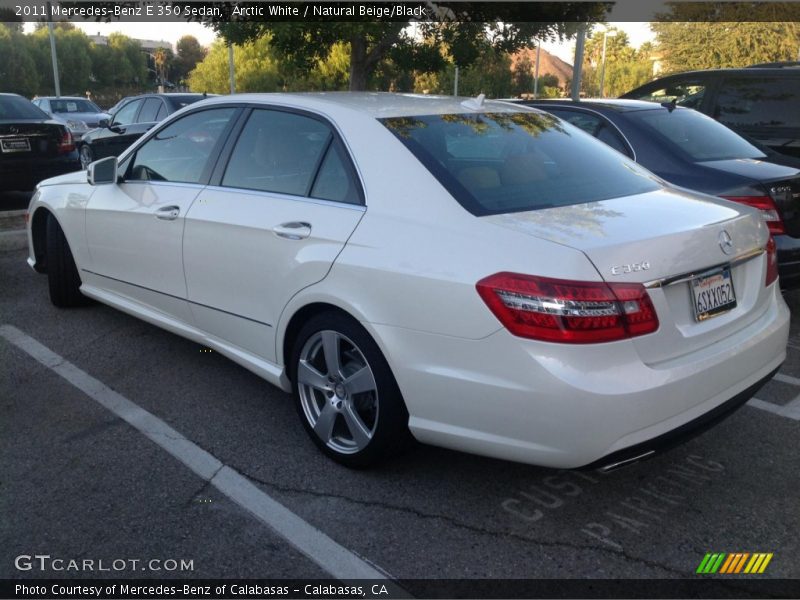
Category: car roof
[609,104]
[754,70]
[62,98]
[380,105]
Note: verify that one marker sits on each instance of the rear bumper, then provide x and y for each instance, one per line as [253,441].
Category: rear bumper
[569,406]
[788,261]
[24,173]
[680,434]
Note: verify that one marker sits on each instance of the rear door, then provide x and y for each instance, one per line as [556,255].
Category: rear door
[286,200]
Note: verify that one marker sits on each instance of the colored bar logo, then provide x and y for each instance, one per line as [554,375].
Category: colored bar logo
[734,563]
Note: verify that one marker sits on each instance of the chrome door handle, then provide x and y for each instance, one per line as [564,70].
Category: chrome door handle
[168,213]
[296,230]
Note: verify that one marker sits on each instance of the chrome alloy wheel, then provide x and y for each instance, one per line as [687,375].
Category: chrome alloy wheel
[338,392]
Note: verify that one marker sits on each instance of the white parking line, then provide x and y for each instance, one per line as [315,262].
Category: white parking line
[787,379]
[337,560]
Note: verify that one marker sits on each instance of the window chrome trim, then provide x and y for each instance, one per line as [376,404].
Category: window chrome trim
[281,196]
[684,277]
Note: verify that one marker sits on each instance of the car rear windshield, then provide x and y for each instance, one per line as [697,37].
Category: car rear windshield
[700,137]
[495,163]
[16,107]
[73,105]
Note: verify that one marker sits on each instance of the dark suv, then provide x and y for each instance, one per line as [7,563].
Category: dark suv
[129,122]
[761,102]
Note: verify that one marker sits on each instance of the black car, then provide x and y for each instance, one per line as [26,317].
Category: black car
[690,150]
[32,145]
[129,122]
[761,102]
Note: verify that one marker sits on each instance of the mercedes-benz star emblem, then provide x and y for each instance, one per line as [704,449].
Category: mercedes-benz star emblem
[725,242]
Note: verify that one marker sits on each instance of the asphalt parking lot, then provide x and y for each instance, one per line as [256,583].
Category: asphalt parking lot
[79,482]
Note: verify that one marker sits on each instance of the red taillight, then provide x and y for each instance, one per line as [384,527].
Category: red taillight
[769,212]
[66,145]
[572,312]
[772,262]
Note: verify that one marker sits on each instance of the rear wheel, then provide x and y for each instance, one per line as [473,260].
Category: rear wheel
[62,274]
[345,393]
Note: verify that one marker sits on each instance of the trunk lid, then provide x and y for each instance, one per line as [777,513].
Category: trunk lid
[658,236]
[42,139]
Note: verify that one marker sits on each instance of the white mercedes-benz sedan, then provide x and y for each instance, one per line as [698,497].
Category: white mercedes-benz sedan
[473,274]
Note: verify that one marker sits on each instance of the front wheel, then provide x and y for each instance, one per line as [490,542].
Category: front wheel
[87,156]
[345,393]
[62,275]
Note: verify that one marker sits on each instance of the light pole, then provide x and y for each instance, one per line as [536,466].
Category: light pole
[606,34]
[536,70]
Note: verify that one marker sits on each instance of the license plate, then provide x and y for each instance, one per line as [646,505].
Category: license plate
[713,295]
[16,145]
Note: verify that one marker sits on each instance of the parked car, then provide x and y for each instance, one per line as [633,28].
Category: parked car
[691,150]
[77,113]
[761,102]
[130,120]
[32,145]
[480,274]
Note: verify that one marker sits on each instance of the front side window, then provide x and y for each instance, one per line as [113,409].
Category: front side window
[126,114]
[684,93]
[759,102]
[498,163]
[180,151]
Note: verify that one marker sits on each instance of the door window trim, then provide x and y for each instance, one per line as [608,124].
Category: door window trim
[336,137]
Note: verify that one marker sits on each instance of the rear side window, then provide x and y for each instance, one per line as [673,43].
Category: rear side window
[759,102]
[688,93]
[277,152]
[498,163]
[595,126]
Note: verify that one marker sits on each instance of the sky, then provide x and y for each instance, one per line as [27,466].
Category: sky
[638,34]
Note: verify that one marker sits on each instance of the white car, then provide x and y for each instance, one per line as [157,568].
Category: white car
[482,275]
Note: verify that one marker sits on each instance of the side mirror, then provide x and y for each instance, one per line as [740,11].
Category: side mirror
[104,123]
[102,171]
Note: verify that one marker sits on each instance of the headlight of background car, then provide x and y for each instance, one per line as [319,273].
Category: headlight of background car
[77,125]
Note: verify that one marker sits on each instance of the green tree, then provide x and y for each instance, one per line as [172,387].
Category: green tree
[625,68]
[694,46]
[255,64]
[73,49]
[373,43]
[131,60]
[18,70]
[189,52]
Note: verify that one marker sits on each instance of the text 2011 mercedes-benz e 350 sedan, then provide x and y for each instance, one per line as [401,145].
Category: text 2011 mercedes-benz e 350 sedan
[482,275]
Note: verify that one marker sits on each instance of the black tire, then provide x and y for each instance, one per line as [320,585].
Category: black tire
[62,274]
[389,434]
